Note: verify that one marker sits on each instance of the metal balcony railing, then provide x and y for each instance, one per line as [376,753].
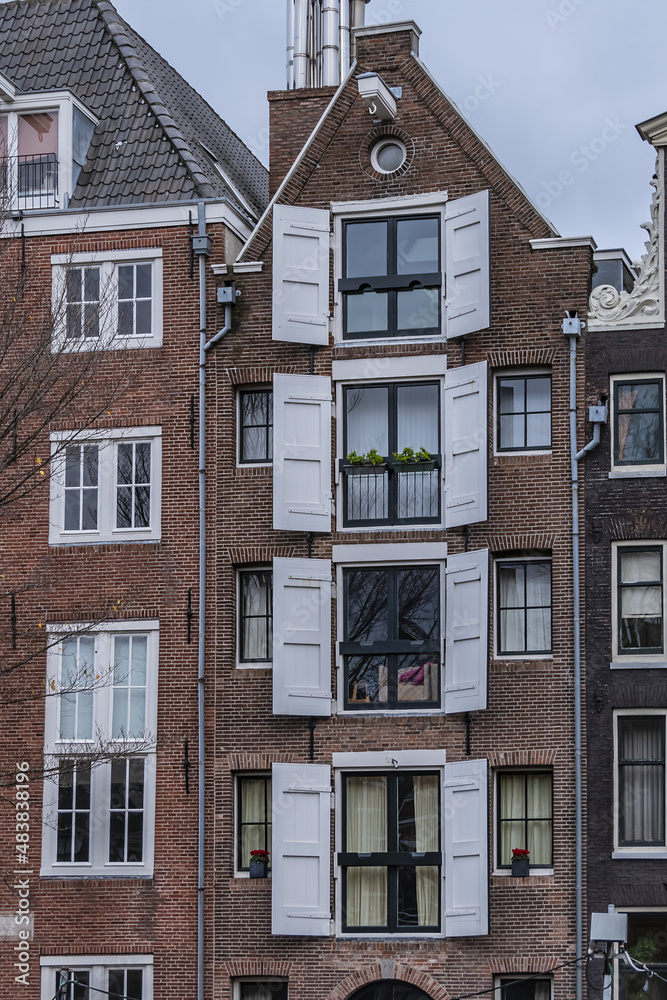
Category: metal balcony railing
[29,182]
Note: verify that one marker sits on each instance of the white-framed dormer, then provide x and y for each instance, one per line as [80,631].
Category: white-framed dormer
[44,140]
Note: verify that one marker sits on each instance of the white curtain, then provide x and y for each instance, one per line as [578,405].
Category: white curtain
[540,821]
[255,600]
[643,784]
[418,417]
[526,814]
[366,833]
[253,815]
[427,839]
[512,601]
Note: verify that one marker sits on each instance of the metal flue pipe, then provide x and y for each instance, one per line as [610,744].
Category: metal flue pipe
[344,38]
[357,13]
[290,44]
[331,43]
[301,60]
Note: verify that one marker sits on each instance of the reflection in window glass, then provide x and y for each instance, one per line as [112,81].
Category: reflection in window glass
[256,425]
[524,412]
[524,606]
[638,422]
[640,600]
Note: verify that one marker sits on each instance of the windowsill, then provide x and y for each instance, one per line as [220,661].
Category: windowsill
[254,465]
[245,877]
[635,854]
[360,936]
[534,873]
[658,473]
[387,341]
[102,540]
[658,664]
[509,657]
[389,527]
[255,665]
[106,876]
[385,713]
[523,453]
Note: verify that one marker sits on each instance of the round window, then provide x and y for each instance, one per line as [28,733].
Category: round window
[388,155]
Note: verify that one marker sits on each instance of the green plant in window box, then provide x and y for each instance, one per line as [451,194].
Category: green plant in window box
[360,463]
[259,864]
[374,458]
[355,459]
[409,459]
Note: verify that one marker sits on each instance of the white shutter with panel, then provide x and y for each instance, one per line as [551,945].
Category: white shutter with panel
[468,306]
[301,850]
[466,445]
[300,274]
[302,637]
[302,453]
[466,631]
[466,849]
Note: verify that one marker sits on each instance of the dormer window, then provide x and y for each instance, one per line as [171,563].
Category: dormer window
[43,147]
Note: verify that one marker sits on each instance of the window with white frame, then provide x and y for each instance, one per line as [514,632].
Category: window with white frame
[647,946]
[524,607]
[44,143]
[639,740]
[638,424]
[523,412]
[106,485]
[638,608]
[524,816]
[110,299]
[523,987]
[398,866]
[101,714]
[255,597]
[253,817]
[82,977]
[260,988]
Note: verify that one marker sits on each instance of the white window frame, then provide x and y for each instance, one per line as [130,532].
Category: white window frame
[98,966]
[379,371]
[640,660]
[430,204]
[534,869]
[251,664]
[238,777]
[518,976]
[497,561]
[236,983]
[108,261]
[653,471]
[379,760]
[646,853]
[63,103]
[517,373]
[56,748]
[260,387]
[387,554]
[107,441]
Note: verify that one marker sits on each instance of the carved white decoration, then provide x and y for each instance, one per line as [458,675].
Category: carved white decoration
[644,305]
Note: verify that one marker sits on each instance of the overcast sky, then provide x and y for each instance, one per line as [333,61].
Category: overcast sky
[555,87]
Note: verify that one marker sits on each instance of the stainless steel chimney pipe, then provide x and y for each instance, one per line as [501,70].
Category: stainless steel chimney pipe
[344,36]
[290,44]
[357,13]
[331,43]
[301,57]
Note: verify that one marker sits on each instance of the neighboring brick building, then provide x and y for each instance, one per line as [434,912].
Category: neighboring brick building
[626,528]
[412,719]
[107,159]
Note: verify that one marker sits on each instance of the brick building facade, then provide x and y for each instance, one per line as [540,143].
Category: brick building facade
[394,642]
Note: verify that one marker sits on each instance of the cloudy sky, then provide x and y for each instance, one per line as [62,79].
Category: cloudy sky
[555,87]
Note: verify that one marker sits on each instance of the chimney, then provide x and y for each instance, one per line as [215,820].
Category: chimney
[318,40]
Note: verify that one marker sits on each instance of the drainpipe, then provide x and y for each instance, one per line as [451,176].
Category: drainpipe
[572,327]
[201,246]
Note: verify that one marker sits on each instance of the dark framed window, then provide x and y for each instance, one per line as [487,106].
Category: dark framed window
[638,421]
[391,644]
[523,412]
[255,615]
[392,279]
[524,987]
[647,944]
[389,418]
[256,425]
[641,780]
[391,857]
[72,984]
[524,606]
[253,804]
[640,597]
[263,989]
[390,989]
[525,816]
[126,984]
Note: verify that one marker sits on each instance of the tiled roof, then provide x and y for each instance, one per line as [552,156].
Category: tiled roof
[146,147]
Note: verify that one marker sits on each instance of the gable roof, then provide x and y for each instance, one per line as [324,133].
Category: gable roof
[146,147]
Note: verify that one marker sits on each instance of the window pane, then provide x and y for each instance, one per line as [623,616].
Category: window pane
[263,991]
[538,395]
[143,272]
[366,830]
[512,592]
[144,312]
[642,780]
[367,420]
[418,310]
[254,817]
[366,897]
[418,896]
[538,430]
[38,134]
[418,679]
[366,605]
[538,584]
[418,417]
[418,603]
[512,431]
[638,566]
[256,615]
[366,249]
[126,282]
[511,395]
[367,679]
[418,246]
[366,312]
[125,319]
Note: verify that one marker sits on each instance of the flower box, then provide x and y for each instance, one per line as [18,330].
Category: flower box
[258,869]
[415,466]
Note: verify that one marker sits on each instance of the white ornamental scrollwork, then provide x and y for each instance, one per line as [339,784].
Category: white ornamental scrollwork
[606,304]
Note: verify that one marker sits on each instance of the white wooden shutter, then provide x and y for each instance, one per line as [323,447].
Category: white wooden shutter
[466,631]
[466,444]
[302,453]
[300,274]
[301,850]
[302,637]
[466,849]
[468,306]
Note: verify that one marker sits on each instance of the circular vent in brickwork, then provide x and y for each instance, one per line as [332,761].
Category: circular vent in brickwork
[386,153]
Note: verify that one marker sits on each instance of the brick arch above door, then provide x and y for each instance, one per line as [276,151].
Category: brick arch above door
[380,974]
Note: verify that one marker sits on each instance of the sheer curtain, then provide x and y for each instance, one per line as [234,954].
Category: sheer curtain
[427,839]
[512,599]
[366,833]
[540,819]
[526,814]
[642,791]
[253,814]
[512,812]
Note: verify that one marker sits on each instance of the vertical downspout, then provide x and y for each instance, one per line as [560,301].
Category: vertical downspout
[572,329]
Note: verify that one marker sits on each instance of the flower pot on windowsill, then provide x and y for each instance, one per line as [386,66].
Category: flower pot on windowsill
[520,867]
[415,466]
[365,468]
[258,869]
